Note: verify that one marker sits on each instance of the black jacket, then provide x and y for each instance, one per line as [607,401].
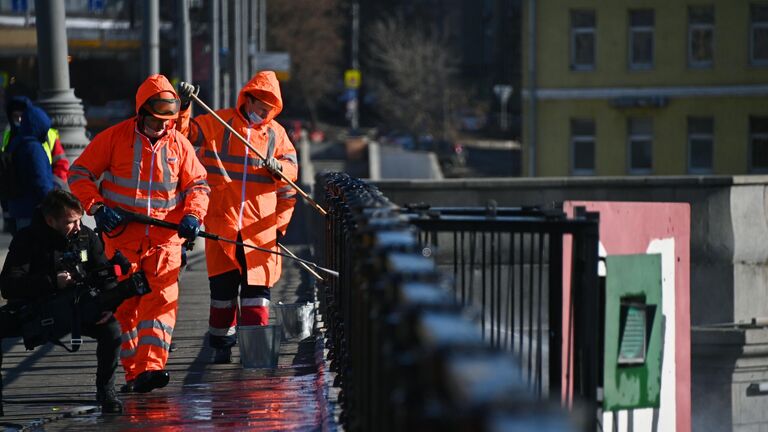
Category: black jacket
[30,268]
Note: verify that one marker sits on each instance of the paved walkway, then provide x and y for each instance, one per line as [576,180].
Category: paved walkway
[50,389]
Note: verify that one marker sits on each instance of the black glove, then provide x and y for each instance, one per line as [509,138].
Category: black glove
[107,219]
[273,166]
[189,227]
[186,91]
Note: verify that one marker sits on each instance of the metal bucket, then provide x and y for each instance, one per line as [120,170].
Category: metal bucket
[259,346]
[296,319]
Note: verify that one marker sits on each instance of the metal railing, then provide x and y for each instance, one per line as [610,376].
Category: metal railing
[507,264]
[400,330]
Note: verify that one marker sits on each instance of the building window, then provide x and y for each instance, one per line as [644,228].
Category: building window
[641,24]
[758,29]
[701,31]
[582,40]
[640,145]
[700,145]
[758,142]
[582,146]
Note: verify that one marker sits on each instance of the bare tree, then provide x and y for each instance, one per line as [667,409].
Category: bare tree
[413,78]
[310,30]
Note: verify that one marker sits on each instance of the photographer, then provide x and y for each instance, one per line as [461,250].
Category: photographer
[30,276]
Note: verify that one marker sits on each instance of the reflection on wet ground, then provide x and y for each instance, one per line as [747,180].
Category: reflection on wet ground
[266,404]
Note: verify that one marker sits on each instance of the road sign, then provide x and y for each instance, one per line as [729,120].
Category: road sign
[352,78]
[280,62]
[503,91]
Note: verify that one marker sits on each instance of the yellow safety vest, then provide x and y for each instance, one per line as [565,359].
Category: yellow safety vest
[50,140]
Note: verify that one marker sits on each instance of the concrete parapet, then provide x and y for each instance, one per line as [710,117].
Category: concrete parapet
[729,227]
[728,367]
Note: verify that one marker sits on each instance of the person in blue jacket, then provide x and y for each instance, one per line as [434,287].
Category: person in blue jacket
[31,165]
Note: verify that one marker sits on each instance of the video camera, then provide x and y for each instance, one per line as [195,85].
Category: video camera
[94,291]
[100,286]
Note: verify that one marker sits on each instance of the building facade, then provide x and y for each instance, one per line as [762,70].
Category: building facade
[645,87]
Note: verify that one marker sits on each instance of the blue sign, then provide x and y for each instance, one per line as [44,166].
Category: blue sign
[19,5]
[349,94]
[96,5]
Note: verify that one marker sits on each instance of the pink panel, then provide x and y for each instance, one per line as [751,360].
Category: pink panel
[628,228]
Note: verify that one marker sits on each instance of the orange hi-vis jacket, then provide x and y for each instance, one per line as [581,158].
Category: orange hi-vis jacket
[164,180]
[245,197]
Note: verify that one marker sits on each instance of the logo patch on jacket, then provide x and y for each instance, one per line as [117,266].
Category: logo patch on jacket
[172,160]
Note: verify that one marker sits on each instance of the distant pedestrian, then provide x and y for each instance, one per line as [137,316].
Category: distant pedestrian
[31,166]
[15,107]
[249,202]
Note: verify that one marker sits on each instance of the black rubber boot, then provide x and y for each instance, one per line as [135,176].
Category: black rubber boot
[150,380]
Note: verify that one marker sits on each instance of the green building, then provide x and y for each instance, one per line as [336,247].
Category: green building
[645,87]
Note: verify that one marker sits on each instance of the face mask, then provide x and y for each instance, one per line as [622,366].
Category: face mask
[255,118]
[151,133]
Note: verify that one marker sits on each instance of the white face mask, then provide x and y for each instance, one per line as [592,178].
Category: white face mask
[254,118]
[151,133]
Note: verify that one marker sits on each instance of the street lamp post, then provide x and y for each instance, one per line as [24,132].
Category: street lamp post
[151,36]
[55,94]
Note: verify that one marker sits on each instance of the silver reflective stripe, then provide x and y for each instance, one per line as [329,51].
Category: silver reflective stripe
[212,169]
[222,304]
[73,177]
[138,146]
[57,158]
[242,188]
[127,353]
[251,177]
[254,301]
[231,331]
[155,324]
[132,183]
[149,195]
[79,171]
[129,335]
[201,185]
[140,202]
[200,136]
[154,340]
[270,143]
[166,168]
[290,157]
[285,192]
[225,141]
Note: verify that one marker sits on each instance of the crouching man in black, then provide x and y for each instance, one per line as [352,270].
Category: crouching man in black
[30,275]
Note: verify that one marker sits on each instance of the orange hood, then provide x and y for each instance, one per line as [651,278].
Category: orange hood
[265,87]
[153,85]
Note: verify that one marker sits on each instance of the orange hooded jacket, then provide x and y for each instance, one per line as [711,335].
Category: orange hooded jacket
[164,180]
[245,197]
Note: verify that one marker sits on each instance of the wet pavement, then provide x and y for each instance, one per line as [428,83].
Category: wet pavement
[52,390]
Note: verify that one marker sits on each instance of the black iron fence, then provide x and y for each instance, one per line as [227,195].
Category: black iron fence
[402,319]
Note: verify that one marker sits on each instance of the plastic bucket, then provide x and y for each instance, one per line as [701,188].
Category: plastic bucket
[259,346]
[296,319]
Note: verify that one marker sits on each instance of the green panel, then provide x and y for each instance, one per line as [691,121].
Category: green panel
[633,332]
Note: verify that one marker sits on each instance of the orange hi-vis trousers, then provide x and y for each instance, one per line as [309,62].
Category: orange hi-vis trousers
[147,321]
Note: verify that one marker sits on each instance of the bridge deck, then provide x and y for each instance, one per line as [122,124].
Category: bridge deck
[54,388]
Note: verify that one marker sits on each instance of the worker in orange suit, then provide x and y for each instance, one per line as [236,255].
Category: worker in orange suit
[146,167]
[249,202]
